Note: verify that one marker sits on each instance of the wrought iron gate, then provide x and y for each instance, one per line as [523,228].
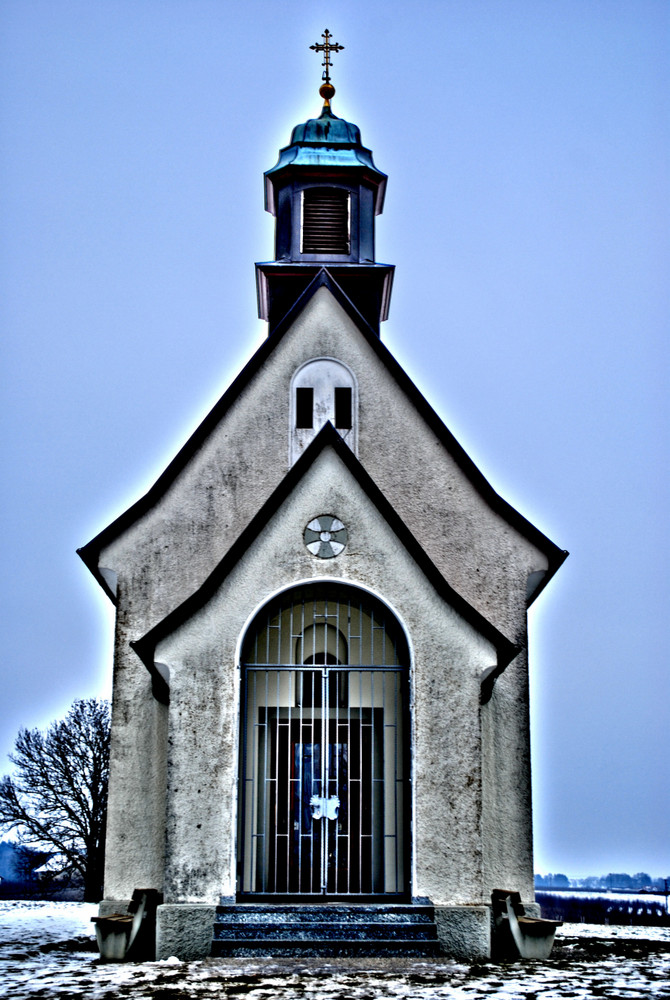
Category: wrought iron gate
[323,797]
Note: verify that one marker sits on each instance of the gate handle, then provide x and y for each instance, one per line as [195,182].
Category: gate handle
[324,807]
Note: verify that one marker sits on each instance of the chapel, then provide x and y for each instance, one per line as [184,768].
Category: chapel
[320,692]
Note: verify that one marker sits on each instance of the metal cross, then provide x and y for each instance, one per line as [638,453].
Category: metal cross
[327,47]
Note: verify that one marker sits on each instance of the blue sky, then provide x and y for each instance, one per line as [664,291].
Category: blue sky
[526,143]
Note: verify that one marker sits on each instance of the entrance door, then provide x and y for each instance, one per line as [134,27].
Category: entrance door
[323,770]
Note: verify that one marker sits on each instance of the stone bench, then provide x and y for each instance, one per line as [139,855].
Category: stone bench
[129,936]
[516,935]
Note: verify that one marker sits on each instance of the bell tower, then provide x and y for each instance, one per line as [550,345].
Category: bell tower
[324,192]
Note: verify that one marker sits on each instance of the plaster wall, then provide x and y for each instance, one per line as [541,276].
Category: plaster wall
[448,658]
[135,839]
[506,783]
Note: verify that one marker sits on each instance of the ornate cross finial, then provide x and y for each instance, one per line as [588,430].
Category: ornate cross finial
[326,90]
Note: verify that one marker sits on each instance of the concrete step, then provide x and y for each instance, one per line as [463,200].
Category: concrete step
[308,912]
[302,930]
[250,929]
[248,948]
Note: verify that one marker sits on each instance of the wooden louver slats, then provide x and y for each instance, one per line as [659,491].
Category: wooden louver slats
[325,221]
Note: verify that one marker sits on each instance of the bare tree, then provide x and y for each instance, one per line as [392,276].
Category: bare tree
[57,799]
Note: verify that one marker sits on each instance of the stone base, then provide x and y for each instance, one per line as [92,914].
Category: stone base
[184,930]
[464,932]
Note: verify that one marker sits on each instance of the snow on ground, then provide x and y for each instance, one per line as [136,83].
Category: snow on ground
[37,922]
[588,961]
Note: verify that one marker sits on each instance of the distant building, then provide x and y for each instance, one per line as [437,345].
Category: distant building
[8,860]
[320,667]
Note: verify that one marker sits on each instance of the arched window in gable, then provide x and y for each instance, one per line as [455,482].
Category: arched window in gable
[322,390]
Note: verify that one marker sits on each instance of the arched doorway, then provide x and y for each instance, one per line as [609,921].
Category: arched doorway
[324,768]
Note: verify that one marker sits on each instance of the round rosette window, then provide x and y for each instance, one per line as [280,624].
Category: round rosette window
[325,536]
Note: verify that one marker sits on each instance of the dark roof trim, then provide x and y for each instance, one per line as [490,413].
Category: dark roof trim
[324,275]
[327,437]
[90,552]
[324,279]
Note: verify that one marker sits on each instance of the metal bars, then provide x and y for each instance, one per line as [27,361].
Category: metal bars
[323,724]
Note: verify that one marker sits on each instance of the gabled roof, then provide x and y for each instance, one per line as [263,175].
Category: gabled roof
[327,437]
[323,279]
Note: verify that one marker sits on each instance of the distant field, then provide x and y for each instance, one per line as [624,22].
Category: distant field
[602,893]
[594,907]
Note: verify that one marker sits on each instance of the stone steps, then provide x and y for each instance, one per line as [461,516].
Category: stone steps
[248,929]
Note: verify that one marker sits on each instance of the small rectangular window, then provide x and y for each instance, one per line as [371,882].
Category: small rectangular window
[343,407]
[304,407]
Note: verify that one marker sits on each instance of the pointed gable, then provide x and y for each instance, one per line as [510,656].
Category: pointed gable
[240,453]
[272,554]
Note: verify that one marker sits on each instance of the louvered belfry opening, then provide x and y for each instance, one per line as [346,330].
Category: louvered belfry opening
[325,221]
